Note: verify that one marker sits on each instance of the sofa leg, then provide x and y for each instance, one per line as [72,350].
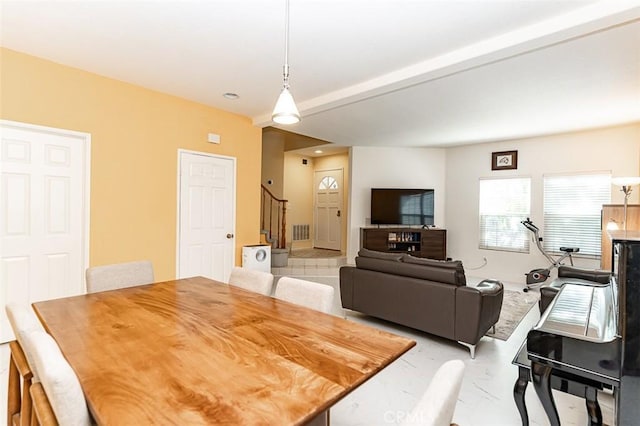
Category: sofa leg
[493,329]
[472,348]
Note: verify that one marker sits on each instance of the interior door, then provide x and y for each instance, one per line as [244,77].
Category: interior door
[206,215]
[44,180]
[328,209]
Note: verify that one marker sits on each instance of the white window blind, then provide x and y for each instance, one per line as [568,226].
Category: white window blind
[504,203]
[572,209]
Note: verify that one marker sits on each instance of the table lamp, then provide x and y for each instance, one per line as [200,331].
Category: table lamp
[625,184]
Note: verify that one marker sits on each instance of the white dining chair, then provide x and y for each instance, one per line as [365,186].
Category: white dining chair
[305,293]
[119,275]
[249,279]
[59,382]
[23,321]
[22,373]
[438,403]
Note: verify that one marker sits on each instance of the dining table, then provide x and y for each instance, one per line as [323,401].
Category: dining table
[197,351]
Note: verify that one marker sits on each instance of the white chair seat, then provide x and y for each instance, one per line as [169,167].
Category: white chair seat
[59,381]
[438,403]
[119,275]
[305,293]
[248,279]
[24,321]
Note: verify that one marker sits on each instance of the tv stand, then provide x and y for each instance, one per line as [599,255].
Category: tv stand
[419,242]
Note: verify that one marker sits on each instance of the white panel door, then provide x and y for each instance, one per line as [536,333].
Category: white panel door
[44,178]
[206,216]
[328,209]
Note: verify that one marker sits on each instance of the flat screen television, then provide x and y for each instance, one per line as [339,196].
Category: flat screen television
[395,206]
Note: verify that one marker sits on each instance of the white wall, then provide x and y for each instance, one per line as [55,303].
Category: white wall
[615,149]
[375,167]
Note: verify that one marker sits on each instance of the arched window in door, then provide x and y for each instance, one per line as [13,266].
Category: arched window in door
[328,182]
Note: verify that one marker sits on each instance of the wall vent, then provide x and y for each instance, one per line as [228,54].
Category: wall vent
[300,232]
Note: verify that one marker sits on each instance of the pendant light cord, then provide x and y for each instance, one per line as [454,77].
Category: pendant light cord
[285,68]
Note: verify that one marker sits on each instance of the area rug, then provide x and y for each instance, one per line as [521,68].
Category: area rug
[515,305]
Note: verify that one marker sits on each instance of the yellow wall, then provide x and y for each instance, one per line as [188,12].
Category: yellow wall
[273,162]
[298,190]
[135,137]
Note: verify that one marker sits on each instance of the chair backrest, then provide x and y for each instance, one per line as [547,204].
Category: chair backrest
[24,321]
[438,403]
[119,275]
[248,279]
[59,381]
[306,293]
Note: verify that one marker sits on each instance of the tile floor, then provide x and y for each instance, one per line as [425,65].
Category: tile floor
[485,399]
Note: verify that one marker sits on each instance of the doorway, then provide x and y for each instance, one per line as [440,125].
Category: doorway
[44,214]
[328,187]
[206,215]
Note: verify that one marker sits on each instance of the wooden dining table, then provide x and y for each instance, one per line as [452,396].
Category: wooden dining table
[197,351]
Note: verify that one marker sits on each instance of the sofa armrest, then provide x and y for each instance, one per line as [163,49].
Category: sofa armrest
[477,310]
[346,286]
[490,286]
[601,277]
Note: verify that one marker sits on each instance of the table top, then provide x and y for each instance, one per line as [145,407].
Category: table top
[196,351]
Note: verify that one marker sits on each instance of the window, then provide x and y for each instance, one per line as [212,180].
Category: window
[572,206]
[328,182]
[504,203]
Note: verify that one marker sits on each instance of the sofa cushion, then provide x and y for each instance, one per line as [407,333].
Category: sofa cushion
[455,265]
[380,255]
[413,270]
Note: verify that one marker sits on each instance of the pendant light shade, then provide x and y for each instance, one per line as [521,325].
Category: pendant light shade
[285,111]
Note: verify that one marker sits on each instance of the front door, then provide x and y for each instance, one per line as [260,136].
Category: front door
[206,215]
[328,209]
[44,206]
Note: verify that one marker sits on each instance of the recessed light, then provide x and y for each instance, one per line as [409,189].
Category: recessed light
[231,96]
[318,151]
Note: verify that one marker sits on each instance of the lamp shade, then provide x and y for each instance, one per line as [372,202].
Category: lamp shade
[285,111]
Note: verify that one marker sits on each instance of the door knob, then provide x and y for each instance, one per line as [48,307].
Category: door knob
[338,214]
[229,236]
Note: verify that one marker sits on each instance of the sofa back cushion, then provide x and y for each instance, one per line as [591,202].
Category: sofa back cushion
[431,270]
[380,255]
[451,265]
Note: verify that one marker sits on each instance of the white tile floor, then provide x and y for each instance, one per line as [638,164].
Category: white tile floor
[486,396]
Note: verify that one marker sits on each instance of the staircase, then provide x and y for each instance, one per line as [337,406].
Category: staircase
[273,219]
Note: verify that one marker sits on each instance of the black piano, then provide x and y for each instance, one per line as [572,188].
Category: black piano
[590,336]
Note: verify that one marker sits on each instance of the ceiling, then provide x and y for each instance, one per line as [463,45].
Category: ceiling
[363,72]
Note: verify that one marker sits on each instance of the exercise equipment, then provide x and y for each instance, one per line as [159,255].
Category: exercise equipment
[537,276]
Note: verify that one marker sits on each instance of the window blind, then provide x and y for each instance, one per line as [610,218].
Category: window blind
[572,210]
[504,203]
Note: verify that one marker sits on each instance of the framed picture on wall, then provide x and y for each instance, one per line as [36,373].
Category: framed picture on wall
[504,160]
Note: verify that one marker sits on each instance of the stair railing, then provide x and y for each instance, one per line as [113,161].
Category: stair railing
[273,218]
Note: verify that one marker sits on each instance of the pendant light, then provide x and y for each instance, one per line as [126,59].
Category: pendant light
[285,111]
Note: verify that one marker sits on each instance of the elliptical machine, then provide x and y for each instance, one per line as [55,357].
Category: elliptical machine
[538,276]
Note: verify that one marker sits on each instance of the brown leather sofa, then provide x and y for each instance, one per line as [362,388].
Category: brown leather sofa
[570,274]
[425,294]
